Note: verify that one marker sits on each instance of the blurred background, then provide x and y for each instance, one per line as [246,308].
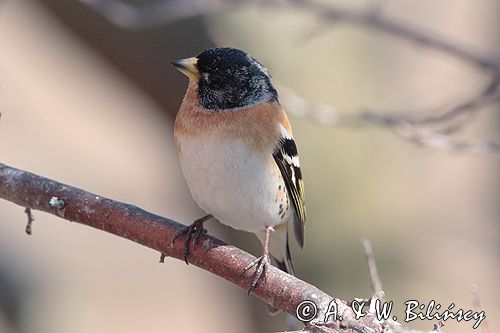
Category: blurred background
[88,98]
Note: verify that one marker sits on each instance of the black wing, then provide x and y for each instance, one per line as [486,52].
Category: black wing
[287,159]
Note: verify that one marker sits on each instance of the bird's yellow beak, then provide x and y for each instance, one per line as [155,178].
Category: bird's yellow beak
[188,67]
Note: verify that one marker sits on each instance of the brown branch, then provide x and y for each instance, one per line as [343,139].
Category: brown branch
[279,289]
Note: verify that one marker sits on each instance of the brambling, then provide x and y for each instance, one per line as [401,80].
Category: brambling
[238,154]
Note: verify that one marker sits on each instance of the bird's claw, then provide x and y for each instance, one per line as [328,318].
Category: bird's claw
[192,232]
[261,264]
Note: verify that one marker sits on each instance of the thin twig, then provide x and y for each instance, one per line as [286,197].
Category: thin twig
[372,268]
[440,141]
[376,283]
[489,94]
[28,228]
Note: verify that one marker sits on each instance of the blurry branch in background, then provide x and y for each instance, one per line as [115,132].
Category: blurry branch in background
[432,128]
[279,289]
[373,18]
[410,126]
[375,281]
[152,14]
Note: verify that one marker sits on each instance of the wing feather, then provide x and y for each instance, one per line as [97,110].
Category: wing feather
[287,159]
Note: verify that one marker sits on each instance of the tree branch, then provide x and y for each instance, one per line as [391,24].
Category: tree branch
[279,289]
[151,14]
[405,125]
[374,19]
[29,224]
[372,267]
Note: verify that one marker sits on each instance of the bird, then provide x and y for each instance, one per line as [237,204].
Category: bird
[238,154]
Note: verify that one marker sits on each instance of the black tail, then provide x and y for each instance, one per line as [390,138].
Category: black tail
[286,266]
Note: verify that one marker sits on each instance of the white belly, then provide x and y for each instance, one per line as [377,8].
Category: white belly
[238,187]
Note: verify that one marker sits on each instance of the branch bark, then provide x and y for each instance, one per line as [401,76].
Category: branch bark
[279,289]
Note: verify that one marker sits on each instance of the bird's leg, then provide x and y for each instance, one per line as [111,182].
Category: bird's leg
[192,232]
[260,263]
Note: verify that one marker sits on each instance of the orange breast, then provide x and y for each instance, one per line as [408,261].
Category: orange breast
[258,126]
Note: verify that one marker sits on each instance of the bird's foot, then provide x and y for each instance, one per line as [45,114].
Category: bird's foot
[261,264]
[192,232]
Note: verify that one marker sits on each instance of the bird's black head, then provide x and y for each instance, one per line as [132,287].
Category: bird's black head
[228,79]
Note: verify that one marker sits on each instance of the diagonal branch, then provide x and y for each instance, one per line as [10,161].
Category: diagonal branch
[152,13]
[279,289]
[405,126]
[372,267]
[374,19]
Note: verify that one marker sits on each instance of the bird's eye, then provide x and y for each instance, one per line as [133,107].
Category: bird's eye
[216,80]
